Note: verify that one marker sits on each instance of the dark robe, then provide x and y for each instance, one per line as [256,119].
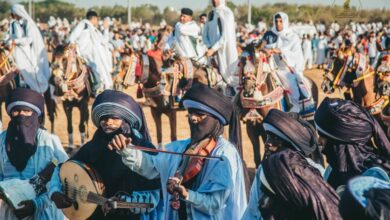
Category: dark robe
[115,175]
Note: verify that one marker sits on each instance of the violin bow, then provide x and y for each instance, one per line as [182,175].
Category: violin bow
[172,152]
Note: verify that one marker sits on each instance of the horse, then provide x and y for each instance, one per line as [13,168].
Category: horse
[165,80]
[71,79]
[350,70]
[261,91]
[9,81]
[382,87]
[7,66]
[127,71]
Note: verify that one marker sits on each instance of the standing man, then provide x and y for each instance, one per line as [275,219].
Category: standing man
[219,36]
[94,46]
[26,149]
[185,37]
[28,49]
[202,22]
[216,190]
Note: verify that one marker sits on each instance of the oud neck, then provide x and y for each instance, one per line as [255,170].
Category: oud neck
[95,198]
[100,200]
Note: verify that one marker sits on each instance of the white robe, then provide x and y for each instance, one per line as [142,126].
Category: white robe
[29,53]
[93,46]
[321,51]
[182,40]
[290,46]
[223,42]
[221,189]
[307,53]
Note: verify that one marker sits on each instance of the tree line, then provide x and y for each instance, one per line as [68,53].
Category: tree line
[152,14]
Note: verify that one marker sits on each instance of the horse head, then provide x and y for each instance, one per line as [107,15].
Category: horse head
[383,76]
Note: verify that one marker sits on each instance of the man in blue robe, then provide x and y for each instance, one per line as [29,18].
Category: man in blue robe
[217,191]
[26,149]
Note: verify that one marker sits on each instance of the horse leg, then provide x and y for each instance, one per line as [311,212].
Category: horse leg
[51,107]
[172,123]
[84,116]
[156,114]
[254,137]
[68,107]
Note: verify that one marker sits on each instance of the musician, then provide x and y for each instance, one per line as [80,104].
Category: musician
[289,46]
[113,113]
[185,38]
[353,140]
[28,49]
[26,149]
[286,132]
[219,36]
[216,190]
[94,46]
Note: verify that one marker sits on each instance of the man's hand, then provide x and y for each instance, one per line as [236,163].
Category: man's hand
[62,201]
[119,142]
[174,186]
[276,51]
[167,54]
[28,208]
[210,52]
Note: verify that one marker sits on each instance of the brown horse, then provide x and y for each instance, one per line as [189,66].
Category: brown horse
[262,91]
[71,78]
[351,71]
[127,69]
[9,80]
[166,81]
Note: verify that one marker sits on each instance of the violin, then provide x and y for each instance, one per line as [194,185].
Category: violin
[191,166]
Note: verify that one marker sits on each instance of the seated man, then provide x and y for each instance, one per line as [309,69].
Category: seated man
[215,190]
[113,113]
[353,140]
[26,149]
[285,132]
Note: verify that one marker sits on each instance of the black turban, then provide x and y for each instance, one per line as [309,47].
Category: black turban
[26,98]
[296,189]
[349,129]
[366,197]
[187,11]
[206,99]
[299,133]
[119,104]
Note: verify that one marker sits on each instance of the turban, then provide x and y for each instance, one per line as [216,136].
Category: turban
[349,149]
[347,122]
[296,189]
[187,11]
[26,98]
[204,98]
[119,104]
[366,197]
[300,134]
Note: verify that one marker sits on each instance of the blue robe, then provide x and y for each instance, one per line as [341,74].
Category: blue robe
[221,189]
[48,148]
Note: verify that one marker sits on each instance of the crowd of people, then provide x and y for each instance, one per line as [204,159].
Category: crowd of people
[204,176]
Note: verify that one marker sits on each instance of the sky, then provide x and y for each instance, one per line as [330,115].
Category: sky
[200,4]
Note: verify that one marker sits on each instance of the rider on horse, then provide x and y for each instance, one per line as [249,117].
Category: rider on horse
[286,49]
[185,37]
[28,49]
[93,46]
